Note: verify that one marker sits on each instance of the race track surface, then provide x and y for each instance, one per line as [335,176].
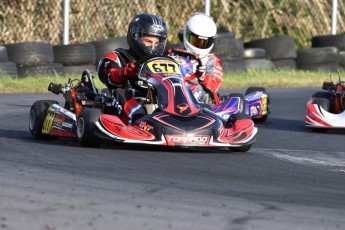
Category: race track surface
[291,178]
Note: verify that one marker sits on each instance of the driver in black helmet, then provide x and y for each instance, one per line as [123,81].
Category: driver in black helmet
[147,34]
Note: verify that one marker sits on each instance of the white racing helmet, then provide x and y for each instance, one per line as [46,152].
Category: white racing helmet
[199,34]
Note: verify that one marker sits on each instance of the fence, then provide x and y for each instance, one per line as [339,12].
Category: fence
[90,20]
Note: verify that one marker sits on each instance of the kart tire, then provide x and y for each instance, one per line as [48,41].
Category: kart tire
[321,94]
[243,148]
[242,100]
[235,117]
[254,89]
[37,115]
[86,128]
[323,102]
[328,96]
[250,90]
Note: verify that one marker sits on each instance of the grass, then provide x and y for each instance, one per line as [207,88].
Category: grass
[268,79]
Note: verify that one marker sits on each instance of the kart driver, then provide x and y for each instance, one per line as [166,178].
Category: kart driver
[198,38]
[147,34]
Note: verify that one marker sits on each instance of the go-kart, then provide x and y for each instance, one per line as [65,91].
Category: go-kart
[325,109]
[48,119]
[174,117]
[254,102]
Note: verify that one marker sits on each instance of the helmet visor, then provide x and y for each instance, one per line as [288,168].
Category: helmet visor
[198,41]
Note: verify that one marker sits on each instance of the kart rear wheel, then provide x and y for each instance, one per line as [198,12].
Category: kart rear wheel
[37,115]
[242,101]
[86,128]
[250,90]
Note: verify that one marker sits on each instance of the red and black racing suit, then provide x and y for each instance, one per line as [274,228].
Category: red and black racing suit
[110,72]
[211,79]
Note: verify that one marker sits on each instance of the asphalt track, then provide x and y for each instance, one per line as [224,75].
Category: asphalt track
[291,178]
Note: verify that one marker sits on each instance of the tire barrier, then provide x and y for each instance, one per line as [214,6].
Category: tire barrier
[102,47]
[7,69]
[256,59]
[318,59]
[41,58]
[278,49]
[44,69]
[75,57]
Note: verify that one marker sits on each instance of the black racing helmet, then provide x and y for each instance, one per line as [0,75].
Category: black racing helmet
[147,25]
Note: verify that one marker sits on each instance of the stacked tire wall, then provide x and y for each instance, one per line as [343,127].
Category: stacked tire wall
[7,68]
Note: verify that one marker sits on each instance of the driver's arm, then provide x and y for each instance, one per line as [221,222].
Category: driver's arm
[109,70]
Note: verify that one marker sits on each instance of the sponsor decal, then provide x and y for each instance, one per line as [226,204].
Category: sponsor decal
[192,140]
[145,126]
[67,125]
[253,111]
[182,107]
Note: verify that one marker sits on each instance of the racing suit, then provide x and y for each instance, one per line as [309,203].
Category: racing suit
[110,72]
[207,81]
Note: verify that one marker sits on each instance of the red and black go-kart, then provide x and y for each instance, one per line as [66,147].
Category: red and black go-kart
[174,117]
[326,109]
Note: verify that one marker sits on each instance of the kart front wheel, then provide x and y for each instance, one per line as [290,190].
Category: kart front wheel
[37,115]
[243,148]
[325,104]
[86,128]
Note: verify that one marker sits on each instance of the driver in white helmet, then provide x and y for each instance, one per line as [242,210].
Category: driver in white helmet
[198,38]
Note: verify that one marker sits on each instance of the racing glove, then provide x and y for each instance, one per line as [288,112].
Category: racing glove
[200,69]
[120,76]
[129,70]
[200,72]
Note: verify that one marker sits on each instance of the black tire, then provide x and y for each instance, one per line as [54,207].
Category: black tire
[30,53]
[253,89]
[3,54]
[258,64]
[86,128]
[285,64]
[278,47]
[50,69]
[242,100]
[317,56]
[320,67]
[78,54]
[226,46]
[327,96]
[262,89]
[105,46]
[323,102]
[342,59]
[233,65]
[231,121]
[322,94]
[242,149]
[8,69]
[78,69]
[254,53]
[37,115]
[337,40]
